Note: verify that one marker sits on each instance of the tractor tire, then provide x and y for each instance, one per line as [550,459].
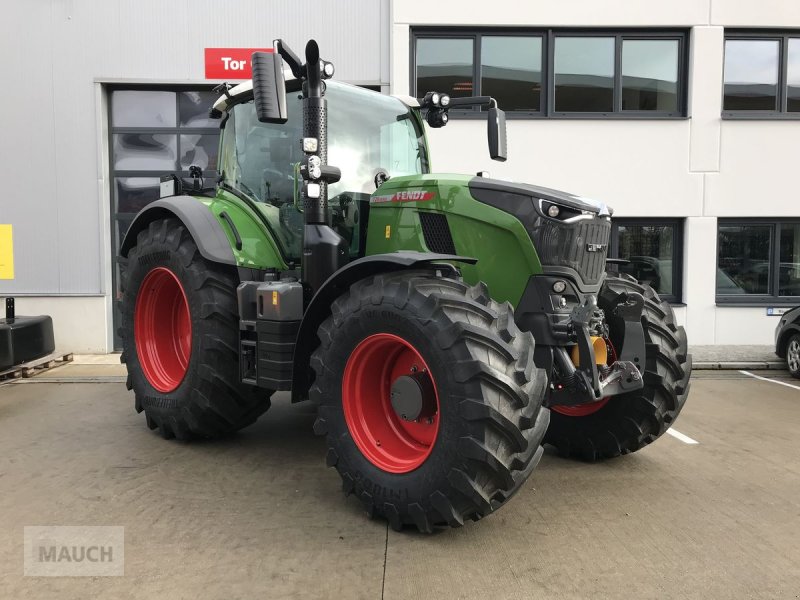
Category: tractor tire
[180,334]
[628,422]
[478,436]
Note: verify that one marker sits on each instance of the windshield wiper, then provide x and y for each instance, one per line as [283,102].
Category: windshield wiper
[248,191]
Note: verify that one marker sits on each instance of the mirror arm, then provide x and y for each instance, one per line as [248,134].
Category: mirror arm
[473,101]
[290,57]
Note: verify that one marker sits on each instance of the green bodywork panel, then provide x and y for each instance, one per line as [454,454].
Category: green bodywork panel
[498,240]
[259,250]
[505,252]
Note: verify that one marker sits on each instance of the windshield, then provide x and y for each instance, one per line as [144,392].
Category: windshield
[367,133]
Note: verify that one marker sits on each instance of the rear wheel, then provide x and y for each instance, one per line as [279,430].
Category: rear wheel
[793,355]
[627,422]
[429,398]
[180,332]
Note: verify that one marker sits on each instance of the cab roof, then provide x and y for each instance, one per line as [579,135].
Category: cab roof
[244,90]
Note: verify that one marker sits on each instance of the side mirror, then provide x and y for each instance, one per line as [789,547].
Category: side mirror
[497,134]
[269,88]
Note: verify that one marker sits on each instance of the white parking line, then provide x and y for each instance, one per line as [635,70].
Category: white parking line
[770,380]
[682,437]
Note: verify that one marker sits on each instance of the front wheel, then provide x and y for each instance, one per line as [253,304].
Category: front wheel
[429,398]
[628,422]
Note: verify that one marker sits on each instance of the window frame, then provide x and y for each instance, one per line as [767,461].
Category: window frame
[547,97]
[677,248]
[782,36]
[771,299]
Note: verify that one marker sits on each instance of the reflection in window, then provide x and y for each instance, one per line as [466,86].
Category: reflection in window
[134,193]
[444,65]
[789,269]
[649,250]
[143,108]
[650,75]
[123,224]
[193,108]
[793,76]
[751,74]
[145,151]
[200,150]
[511,71]
[744,259]
[584,74]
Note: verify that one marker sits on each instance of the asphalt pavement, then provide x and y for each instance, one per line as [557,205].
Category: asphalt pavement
[712,511]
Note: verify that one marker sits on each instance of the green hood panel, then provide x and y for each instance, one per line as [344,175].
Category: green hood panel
[505,252]
[259,250]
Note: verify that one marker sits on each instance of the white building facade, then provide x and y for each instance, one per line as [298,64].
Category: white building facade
[683,116]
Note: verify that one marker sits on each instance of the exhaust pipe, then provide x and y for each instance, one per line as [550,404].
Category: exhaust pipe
[324,250]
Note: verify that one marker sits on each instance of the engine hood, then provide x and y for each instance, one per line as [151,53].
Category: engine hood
[578,203]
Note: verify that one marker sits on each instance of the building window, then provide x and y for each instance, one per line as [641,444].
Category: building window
[154,131]
[446,65]
[653,249]
[511,71]
[555,73]
[583,73]
[762,75]
[758,261]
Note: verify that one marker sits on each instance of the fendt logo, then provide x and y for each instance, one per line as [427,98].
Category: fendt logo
[408,196]
[230,63]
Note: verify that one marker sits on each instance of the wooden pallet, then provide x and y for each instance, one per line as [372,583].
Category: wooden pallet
[33,367]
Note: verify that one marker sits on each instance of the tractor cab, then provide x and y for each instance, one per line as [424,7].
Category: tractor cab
[371,137]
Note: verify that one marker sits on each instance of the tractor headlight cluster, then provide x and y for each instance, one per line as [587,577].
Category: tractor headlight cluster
[560,212]
[437,118]
[436,105]
[436,100]
[310,144]
[314,167]
[313,190]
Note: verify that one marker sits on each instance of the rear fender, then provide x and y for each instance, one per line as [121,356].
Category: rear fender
[205,230]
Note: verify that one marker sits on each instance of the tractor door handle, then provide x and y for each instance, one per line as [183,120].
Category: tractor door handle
[227,218]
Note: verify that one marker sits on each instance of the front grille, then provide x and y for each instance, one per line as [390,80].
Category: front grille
[570,244]
[436,232]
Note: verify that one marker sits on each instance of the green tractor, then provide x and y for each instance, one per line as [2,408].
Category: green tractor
[446,326]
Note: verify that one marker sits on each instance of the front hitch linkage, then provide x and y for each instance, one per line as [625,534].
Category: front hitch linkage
[583,384]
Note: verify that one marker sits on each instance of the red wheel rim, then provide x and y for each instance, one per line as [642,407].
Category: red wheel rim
[583,410]
[162,329]
[387,441]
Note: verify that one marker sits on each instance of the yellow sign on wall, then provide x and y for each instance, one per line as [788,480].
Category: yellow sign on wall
[6,253]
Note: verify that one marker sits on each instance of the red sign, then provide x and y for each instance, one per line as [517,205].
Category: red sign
[230,63]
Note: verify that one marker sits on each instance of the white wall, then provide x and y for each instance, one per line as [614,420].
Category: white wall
[701,168]
[80,323]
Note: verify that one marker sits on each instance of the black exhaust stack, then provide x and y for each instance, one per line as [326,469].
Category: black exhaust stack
[324,250]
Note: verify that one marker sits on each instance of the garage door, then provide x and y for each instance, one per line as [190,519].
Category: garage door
[154,131]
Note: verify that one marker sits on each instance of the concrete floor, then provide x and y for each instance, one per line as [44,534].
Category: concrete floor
[258,515]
